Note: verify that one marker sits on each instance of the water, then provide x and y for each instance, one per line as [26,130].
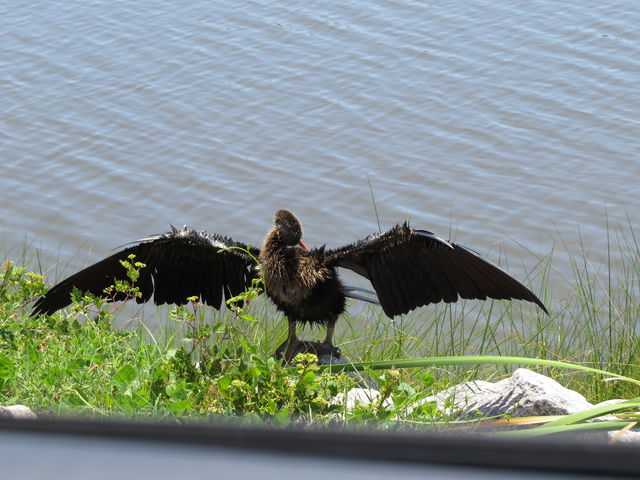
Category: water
[505,124]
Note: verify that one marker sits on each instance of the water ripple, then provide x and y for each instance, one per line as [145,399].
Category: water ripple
[499,118]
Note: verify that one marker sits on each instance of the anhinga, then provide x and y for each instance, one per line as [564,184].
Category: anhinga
[407,268]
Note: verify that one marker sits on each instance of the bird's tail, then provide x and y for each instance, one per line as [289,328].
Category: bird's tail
[349,293]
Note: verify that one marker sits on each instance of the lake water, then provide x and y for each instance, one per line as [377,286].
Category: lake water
[505,124]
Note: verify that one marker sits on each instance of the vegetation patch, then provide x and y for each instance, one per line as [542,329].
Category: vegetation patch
[202,363]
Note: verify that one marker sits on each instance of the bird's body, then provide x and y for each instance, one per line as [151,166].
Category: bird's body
[309,298]
[407,268]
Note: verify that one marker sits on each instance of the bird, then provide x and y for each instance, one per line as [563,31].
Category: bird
[407,268]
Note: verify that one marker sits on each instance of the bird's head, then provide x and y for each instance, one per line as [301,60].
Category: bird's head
[288,229]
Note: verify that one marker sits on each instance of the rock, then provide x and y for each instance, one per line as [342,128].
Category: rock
[326,353]
[330,358]
[525,393]
[609,402]
[624,438]
[358,396]
[17,411]
[615,436]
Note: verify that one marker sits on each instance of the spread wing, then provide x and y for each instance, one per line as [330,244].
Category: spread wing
[409,268]
[179,264]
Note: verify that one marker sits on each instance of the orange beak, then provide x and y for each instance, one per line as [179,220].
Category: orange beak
[301,243]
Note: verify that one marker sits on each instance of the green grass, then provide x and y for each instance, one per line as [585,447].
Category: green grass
[193,361]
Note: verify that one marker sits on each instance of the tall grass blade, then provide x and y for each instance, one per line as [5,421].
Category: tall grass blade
[566,429]
[466,360]
[595,412]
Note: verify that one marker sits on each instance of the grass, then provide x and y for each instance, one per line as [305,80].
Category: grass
[192,361]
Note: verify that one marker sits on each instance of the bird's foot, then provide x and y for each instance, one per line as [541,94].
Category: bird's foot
[326,352]
[289,349]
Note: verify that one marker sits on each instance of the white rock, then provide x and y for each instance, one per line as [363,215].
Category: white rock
[610,402]
[631,436]
[359,396]
[17,411]
[525,393]
[626,438]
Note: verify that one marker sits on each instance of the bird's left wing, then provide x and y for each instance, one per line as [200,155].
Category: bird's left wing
[409,268]
[178,265]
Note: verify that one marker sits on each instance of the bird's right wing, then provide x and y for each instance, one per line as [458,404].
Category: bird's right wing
[179,264]
[409,268]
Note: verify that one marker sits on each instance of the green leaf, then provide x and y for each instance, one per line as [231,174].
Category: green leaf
[580,427]
[170,354]
[574,418]
[179,407]
[177,389]
[124,376]
[7,370]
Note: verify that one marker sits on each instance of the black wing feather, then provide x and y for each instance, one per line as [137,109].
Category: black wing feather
[409,268]
[179,264]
